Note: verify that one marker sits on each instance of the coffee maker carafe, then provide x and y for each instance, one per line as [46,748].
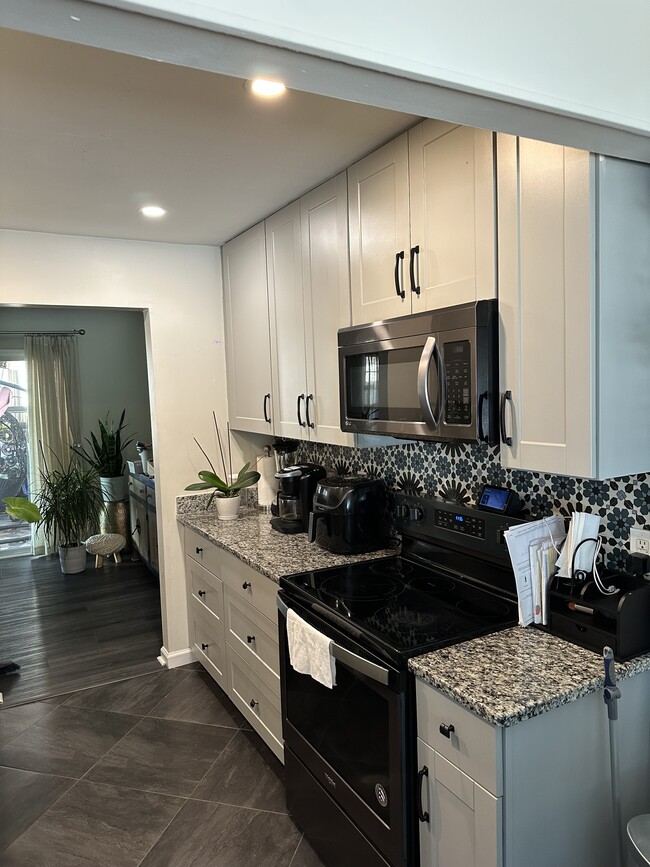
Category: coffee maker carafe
[295,497]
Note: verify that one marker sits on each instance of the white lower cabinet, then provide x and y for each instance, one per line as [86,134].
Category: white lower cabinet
[234,633]
[532,794]
[462,786]
[463,818]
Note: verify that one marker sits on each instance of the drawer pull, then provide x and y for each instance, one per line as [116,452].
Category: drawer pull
[199,550]
[447,730]
[250,639]
[201,593]
[204,647]
[423,816]
[254,703]
[246,585]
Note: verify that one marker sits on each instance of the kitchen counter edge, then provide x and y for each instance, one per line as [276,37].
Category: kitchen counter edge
[510,676]
[251,539]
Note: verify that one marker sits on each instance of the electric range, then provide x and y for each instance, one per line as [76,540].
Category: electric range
[350,751]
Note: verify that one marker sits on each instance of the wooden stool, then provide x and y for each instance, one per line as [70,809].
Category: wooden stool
[105,545]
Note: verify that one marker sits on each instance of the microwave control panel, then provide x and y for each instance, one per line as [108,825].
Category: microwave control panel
[458,382]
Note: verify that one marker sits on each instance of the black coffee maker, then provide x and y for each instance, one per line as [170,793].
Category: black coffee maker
[295,497]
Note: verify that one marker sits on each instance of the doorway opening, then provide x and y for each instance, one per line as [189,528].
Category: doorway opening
[15,535]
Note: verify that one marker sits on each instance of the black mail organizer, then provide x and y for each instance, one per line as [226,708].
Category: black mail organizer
[580,613]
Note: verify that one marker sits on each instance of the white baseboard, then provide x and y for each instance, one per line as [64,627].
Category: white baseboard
[176,658]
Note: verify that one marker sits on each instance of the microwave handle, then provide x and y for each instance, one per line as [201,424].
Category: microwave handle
[428,353]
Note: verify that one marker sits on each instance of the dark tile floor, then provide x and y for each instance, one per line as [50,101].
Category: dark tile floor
[160,770]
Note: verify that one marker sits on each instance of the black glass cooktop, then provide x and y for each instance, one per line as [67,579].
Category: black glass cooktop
[409,607]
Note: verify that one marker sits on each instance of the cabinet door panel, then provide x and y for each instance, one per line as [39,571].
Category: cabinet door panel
[379,228]
[283,265]
[452,214]
[248,346]
[544,302]
[464,825]
[326,281]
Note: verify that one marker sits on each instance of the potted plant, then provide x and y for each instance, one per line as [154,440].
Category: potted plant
[227,492]
[69,502]
[105,454]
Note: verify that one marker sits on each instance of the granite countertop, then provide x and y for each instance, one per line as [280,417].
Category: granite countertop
[518,673]
[252,539]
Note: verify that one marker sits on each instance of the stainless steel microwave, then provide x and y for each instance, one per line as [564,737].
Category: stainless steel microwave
[431,375]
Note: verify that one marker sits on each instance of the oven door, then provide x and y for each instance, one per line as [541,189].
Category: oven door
[354,738]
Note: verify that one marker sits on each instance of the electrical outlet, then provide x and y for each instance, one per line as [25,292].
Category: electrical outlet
[640,542]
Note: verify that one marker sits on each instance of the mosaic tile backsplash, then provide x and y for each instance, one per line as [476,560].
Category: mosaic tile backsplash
[456,472]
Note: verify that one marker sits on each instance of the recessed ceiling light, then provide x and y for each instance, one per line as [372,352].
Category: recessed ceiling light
[152,211]
[75,18]
[262,87]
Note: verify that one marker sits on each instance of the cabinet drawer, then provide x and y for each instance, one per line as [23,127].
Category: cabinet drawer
[137,487]
[254,637]
[206,589]
[259,704]
[252,586]
[474,745]
[200,549]
[207,643]
[150,496]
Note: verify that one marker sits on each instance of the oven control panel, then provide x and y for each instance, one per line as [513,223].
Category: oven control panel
[467,524]
[466,528]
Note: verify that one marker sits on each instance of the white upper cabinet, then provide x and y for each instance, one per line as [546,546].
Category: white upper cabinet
[283,264]
[452,194]
[378,195]
[422,226]
[326,283]
[574,303]
[283,355]
[248,348]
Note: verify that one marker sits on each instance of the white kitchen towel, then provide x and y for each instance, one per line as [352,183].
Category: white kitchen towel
[310,652]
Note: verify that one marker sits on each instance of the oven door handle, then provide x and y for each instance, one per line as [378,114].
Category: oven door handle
[346,657]
[429,352]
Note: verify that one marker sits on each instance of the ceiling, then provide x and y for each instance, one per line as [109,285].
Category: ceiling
[88,136]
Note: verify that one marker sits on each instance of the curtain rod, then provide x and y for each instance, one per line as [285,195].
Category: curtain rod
[44,333]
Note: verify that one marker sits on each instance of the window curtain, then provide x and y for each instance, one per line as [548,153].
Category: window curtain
[54,408]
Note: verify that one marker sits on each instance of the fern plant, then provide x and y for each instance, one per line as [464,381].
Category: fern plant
[105,452]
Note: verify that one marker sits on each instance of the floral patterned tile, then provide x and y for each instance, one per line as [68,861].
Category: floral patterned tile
[457,471]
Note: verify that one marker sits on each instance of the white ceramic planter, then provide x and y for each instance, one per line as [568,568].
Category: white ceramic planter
[72,560]
[227,507]
[113,488]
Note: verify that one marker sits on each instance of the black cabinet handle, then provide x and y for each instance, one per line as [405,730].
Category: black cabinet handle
[481,400]
[267,401]
[422,815]
[253,703]
[250,639]
[446,731]
[415,251]
[398,288]
[506,396]
[201,593]
[204,647]
[300,421]
[199,550]
[246,585]
[310,423]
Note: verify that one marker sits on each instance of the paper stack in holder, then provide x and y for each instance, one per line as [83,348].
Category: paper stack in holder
[267,487]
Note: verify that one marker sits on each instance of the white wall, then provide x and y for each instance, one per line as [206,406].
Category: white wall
[584,57]
[179,287]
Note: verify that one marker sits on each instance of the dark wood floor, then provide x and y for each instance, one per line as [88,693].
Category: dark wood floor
[70,632]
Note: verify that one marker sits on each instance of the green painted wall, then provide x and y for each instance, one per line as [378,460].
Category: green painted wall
[112,360]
